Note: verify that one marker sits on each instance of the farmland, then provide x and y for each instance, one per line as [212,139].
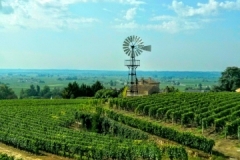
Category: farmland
[163,126]
[123,128]
[22,79]
[44,125]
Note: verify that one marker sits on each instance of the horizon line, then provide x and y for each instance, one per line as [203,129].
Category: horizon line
[107,70]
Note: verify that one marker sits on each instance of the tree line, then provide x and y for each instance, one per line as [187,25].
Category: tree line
[229,81]
[71,91]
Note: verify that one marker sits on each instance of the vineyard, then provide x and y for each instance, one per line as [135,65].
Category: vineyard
[44,125]
[217,112]
[116,128]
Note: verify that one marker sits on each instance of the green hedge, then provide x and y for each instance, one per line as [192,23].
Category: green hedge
[184,138]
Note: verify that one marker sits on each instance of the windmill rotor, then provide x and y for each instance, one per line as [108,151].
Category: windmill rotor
[133,46]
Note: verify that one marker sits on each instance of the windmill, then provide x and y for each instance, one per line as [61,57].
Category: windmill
[133,46]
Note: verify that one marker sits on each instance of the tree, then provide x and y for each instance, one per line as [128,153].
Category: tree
[170,89]
[56,92]
[71,91]
[229,80]
[6,92]
[96,86]
[200,86]
[32,91]
[46,93]
[36,92]
[111,83]
[106,93]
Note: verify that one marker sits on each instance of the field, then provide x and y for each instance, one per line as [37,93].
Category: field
[22,79]
[167,126]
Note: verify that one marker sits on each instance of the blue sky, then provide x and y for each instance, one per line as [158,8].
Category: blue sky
[88,34]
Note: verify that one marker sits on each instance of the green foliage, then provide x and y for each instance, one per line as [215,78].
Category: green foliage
[23,127]
[4,156]
[6,92]
[186,118]
[73,90]
[106,93]
[207,110]
[170,89]
[35,92]
[174,152]
[185,138]
[104,125]
[232,128]
[239,132]
[123,92]
[229,80]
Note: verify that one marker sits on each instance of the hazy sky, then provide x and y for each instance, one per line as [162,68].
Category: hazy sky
[88,34]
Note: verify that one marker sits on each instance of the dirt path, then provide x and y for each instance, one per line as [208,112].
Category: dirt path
[228,147]
[11,151]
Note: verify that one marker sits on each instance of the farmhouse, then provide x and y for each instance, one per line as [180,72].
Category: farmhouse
[148,86]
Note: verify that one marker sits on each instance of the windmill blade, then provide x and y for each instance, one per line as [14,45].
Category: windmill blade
[134,38]
[139,49]
[137,39]
[138,52]
[147,48]
[130,39]
[140,46]
[127,40]
[125,44]
[140,43]
[128,53]
[126,50]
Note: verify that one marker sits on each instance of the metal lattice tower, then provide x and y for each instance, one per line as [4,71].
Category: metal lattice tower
[133,46]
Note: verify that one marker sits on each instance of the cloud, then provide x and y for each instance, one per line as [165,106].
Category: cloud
[5,9]
[53,14]
[130,2]
[130,14]
[107,10]
[172,26]
[203,9]
[162,18]
[129,25]
[190,18]
[230,5]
